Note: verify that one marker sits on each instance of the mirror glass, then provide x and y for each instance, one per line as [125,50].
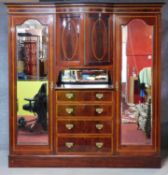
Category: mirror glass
[32,83]
[136,83]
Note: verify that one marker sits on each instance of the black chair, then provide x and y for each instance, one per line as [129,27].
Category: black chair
[37,105]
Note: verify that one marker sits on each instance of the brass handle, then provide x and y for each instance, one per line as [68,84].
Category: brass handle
[99,126]
[69,144]
[69,126]
[99,144]
[99,110]
[99,96]
[70,95]
[69,110]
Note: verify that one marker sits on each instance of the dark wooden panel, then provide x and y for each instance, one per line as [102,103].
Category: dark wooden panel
[84,96]
[82,145]
[128,161]
[89,127]
[69,39]
[98,39]
[84,110]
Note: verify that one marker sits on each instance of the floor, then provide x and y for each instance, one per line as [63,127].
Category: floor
[4,170]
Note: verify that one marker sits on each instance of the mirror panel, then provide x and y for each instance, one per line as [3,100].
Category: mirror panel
[32,83]
[136,83]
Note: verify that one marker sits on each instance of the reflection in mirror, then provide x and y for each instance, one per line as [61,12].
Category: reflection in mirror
[32,83]
[136,80]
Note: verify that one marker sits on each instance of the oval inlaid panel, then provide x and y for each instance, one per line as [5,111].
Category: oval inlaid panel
[69,40]
[99,39]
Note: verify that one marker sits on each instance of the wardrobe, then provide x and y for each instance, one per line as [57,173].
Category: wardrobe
[84,84]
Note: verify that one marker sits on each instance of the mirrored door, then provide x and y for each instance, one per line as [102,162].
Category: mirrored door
[138,83]
[32,83]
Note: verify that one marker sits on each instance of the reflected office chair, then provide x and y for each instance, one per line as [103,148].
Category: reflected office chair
[37,105]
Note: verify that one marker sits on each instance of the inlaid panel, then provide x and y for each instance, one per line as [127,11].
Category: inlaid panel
[98,39]
[83,145]
[69,38]
[84,110]
[84,96]
[79,127]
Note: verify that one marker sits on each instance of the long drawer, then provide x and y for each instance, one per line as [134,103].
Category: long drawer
[84,110]
[84,145]
[80,127]
[84,96]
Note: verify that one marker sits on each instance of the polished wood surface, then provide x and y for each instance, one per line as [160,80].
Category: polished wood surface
[84,145]
[97,96]
[73,134]
[81,127]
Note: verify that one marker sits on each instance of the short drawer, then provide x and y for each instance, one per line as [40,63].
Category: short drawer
[84,110]
[84,95]
[89,127]
[90,145]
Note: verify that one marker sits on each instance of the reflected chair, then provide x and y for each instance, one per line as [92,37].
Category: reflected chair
[38,106]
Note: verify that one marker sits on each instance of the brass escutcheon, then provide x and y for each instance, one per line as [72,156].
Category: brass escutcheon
[99,144]
[69,126]
[69,144]
[99,126]
[69,110]
[99,96]
[99,110]
[69,95]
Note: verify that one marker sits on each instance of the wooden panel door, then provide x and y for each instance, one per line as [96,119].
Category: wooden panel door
[98,39]
[30,77]
[69,39]
[138,129]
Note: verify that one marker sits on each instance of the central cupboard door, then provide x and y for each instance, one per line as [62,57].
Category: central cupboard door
[30,81]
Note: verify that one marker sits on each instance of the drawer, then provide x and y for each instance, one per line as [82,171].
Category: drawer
[79,127]
[90,145]
[84,95]
[84,110]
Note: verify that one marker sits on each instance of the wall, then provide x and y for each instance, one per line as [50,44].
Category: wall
[4,114]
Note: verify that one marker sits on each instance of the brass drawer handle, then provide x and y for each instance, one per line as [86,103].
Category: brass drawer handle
[99,110]
[99,144]
[69,144]
[69,126]
[99,96]
[99,126]
[69,95]
[69,110]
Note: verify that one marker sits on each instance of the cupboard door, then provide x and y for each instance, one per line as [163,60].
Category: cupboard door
[69,38]
[98,39]
[31,59]
[138,74]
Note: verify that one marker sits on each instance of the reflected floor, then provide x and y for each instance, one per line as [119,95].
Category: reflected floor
[131,135]
[36,136]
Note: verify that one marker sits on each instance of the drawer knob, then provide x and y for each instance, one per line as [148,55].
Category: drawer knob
[99,126]
[99,96]
[69,95]
[69,110]
[69,126]
[69,144]
[99,110]
[99,144]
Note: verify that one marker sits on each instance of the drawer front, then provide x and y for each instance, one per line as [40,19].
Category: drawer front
[84,145]
[84,110]
[79,127]
[84,95]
